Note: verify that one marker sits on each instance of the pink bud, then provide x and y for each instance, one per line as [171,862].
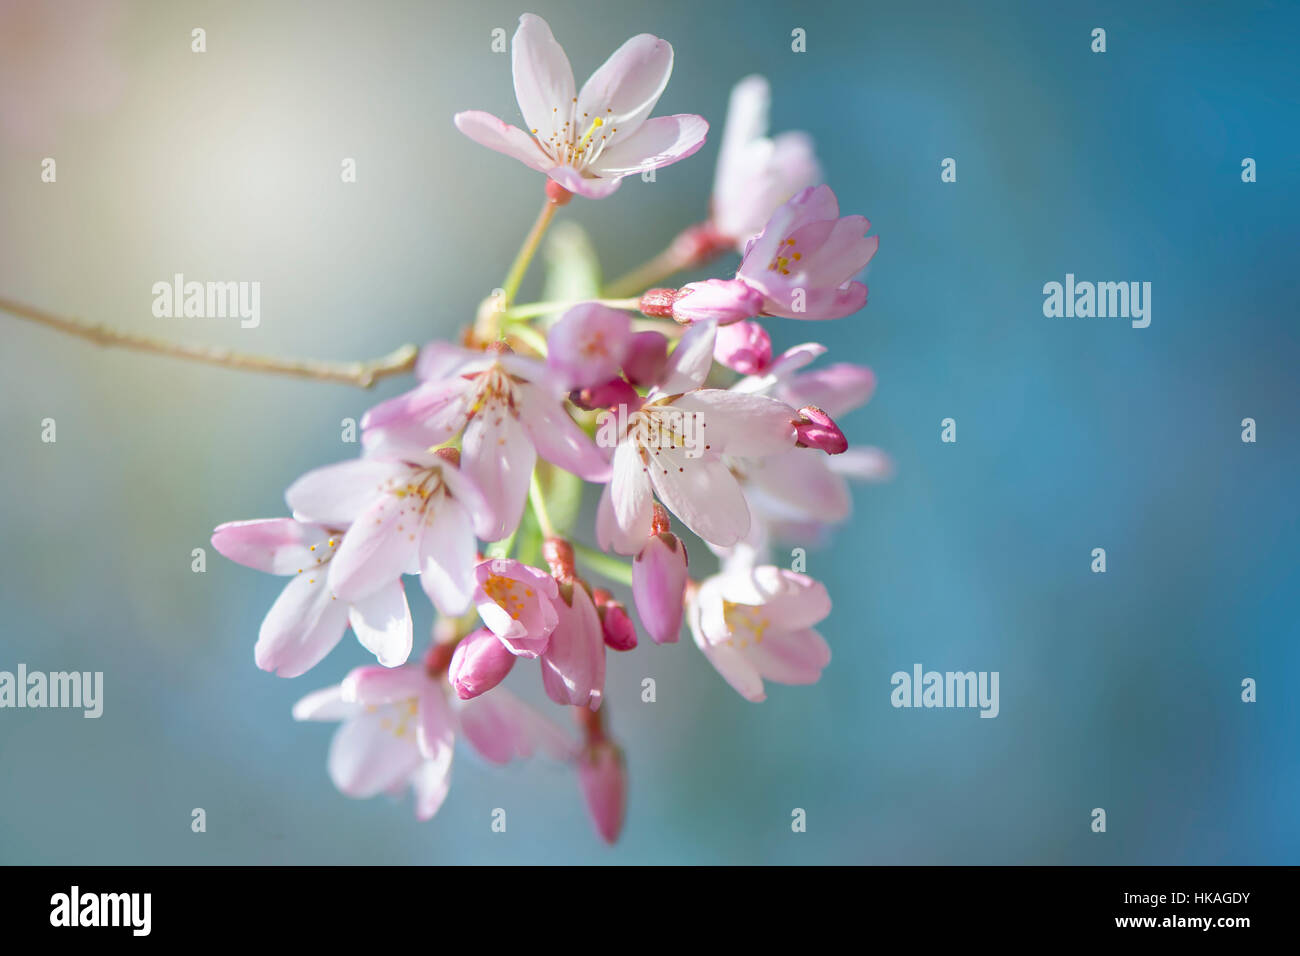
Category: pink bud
[720,300]
[603,779]
[816,429]
[619,631]
[609,394]
[658,586]
[588,344]
[647,356]
[480,662]
[744,347]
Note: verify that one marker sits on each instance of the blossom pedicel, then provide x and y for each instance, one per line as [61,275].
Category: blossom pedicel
[473,480]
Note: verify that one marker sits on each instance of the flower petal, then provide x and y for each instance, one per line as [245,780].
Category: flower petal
[496,134]
[573,664]
[431,782]
[274,545]
[382,623]
[750,426]
[303,625]
[703,493]
[373,753]
[660,142]
[336,494]
[732,664]
[542,74]
[378,549]
[626,87]
[447,552]
[691,361]
[629,489]
[498,457]
[794,657]
[558,439]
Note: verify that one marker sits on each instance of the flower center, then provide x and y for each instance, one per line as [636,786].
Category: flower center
[508,593]
[400,723]
[745,622]
[785,254]
[567,147]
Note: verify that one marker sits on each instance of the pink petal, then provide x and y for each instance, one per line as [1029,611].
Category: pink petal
[325,704]
[625,89]
[382,623]
[487,130]
[658,585]
[659,142]
[573,664]
[703,493]
[751,426]
[588,344]
[501,728]
[588,186]
[367,757]
[603,778]
[447,551]
[610,536]
[375,686]
[436,730]
[690,362]
[795,657]
[438,407]
[274,545]
[336,494]
[629,489]
[837,389]
[498,457]
[377,550]
[303,625]
[543,77]
[431,782]
[732,664]
[480,663]
[558,439]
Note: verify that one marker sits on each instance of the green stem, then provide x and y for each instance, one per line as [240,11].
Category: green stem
[647,274]
[603,564]
[526,252]
[534,309]
[529,334]
[538,501]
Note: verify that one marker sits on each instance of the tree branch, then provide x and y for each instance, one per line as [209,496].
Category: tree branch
[362,374]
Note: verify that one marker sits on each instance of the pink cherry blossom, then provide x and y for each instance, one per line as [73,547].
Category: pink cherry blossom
[307,620]
[517,603]
[399,727]
[588,344]
[647,357]
[805,259]
[573,663]
[713,300]
[589,141]
[615,623]
[756,174]
[659,581]
[602,775]
[510,408]
[672,447]
[744,347]
[756,623]
[406,514]
[479,663]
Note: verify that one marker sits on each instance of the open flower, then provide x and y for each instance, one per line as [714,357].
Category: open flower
[756,174]
[672,447]
[511,409]
[410,513]
[399,728]
[804,260]
[756,624]
[517,603]
[588,142]
[307,620]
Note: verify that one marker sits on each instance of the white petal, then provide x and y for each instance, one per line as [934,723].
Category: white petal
[431,782]
[498,456]
[303,625]
[486,130]
[373,753]
[325,704]
[336,494]
[749,426]
[382,623]
[378,549]
[630,493]
[447,552]
[690,362]
[703,493]
[626,87]
[543,78]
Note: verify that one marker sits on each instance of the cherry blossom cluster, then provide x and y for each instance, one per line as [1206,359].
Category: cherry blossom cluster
[670,401]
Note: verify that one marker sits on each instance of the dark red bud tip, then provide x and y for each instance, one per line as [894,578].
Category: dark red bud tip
[558,555]
[449,455]
[815,429]
[556,193]
[659,303]
[659,522]
[438,659]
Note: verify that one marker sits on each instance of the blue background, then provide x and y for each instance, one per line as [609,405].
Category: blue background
[1119,690]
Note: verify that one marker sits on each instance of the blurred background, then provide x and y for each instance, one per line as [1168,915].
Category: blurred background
[1118,690]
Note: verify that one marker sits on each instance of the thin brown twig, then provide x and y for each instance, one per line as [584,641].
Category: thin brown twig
[362,374]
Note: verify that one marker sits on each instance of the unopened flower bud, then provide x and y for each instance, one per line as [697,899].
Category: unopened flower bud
[816,429]
[744,347]
[619,631]
[480,662]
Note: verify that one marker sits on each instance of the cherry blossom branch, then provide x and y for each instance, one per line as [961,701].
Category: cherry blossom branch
[534,309]
[526,252]
[363,374]
[603,564]
[538,502]
[648,274]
